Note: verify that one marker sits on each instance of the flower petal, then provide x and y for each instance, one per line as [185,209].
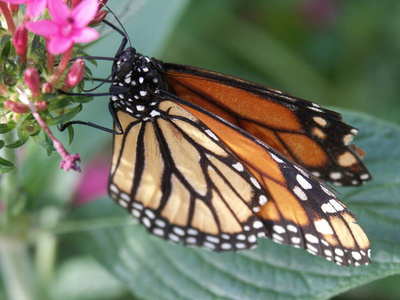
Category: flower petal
[85,35]
[59,11]
[46,28]
[84,12]
[36,7]
[58,45]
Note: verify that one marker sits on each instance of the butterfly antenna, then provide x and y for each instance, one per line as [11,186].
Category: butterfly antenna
[122,32]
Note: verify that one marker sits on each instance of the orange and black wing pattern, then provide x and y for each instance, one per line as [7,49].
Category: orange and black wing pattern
[214,161]
[314,137]
[183,183]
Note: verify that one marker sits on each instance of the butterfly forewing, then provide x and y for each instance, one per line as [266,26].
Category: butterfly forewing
[183,183]
[314,137]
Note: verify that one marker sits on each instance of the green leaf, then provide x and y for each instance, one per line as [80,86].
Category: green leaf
[58,102]
[74,281]
[70,134]
[5,52]
[81,99]
[6,166]
[4,128]
[68,115]
[44,144]
[153,268]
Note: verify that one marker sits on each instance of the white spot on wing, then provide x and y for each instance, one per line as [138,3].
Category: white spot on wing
[336,205]
[238,166]
[311,238]
[295,240]
[257,224]
[300,193]
[303,182]
[255,182]
[356,255]
[291,228]
[322,226]
[278,229]
[211,134]
[262,200]
[276,158]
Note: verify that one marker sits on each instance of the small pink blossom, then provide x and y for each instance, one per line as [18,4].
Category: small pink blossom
[67,26]
[93,183]
[69,162]
[35,7]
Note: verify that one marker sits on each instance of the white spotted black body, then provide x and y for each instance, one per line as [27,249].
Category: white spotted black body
[136,78]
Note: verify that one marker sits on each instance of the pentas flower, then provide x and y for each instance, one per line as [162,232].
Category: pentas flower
[67,26]
[35,7]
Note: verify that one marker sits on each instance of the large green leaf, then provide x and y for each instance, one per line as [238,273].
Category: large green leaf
[153,268]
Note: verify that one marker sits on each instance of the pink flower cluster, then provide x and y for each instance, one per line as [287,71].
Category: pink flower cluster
[68,26]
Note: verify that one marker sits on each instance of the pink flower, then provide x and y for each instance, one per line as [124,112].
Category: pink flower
[93,183]
[68,26]
[35,7]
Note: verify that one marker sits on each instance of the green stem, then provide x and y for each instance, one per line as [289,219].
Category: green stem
[17,269]
[15,260]
[9,185]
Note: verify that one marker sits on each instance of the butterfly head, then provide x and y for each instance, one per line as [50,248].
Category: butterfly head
[136,78]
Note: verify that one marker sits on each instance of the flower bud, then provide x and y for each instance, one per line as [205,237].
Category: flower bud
[101,2]
[16,107]
[98,17]
[41,105]
[47,88]
[32,80]
[20,41]
[74,75]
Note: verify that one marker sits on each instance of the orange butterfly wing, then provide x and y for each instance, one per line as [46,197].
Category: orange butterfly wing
[300,210]
[314,137]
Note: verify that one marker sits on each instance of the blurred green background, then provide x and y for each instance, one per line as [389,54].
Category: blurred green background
[336,53]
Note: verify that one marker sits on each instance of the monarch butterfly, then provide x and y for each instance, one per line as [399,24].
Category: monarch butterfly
[215,161]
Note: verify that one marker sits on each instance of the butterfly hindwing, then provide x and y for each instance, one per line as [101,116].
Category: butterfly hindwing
[301,211]
[182,183]
[314,137]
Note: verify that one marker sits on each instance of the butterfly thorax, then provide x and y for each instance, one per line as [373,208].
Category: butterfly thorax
[136,78]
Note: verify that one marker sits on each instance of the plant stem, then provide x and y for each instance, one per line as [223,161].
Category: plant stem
[17,269]
[9,185]
[16,265]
